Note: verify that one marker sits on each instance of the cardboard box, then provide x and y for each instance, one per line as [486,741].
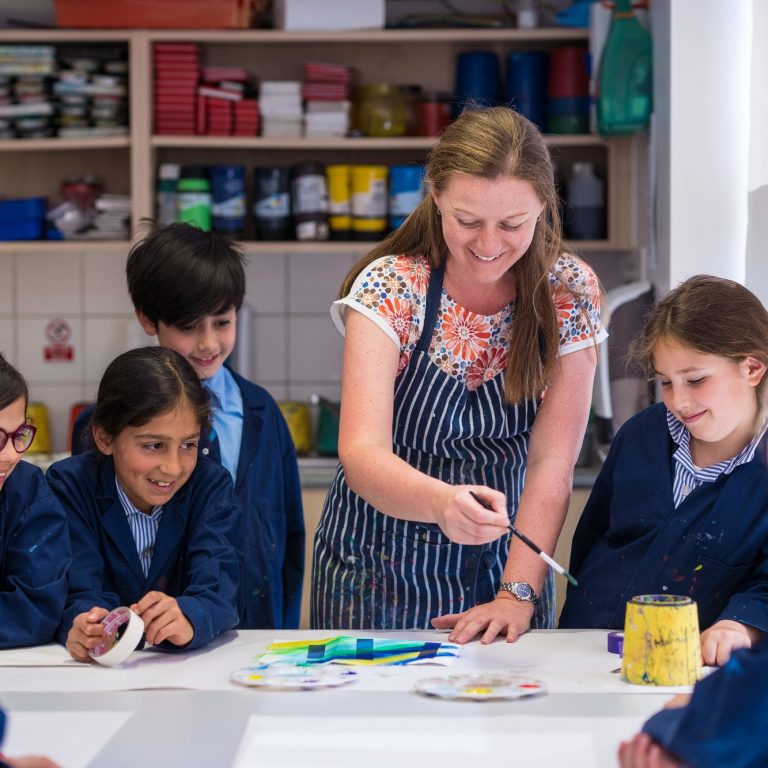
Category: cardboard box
[329,14]
[154,14]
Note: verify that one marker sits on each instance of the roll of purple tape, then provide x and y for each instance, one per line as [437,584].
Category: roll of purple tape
[615,642]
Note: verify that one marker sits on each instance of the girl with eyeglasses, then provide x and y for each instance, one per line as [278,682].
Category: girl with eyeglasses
[34,538]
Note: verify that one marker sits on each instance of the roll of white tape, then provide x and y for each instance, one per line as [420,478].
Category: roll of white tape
[122,634]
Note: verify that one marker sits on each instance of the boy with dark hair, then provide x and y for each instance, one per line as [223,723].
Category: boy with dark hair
[187,286]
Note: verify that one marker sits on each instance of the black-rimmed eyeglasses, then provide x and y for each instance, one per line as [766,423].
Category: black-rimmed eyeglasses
[21,439]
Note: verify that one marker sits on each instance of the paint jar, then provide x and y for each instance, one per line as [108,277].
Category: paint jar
[584,217]
[433,113]
[37,416]
[381,110]
[478,79]
[661,641]
[369,201]
[272,202]
[296,415]
[228,194]
[339,201]
[405,192]
[167,179]
[310,202]
[193,197]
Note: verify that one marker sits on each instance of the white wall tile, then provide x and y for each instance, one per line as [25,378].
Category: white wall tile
[104,339]
[48,283]
[265,282]
[31,343]
[315,350]
[59,400]
[6,284]
[314,280]
[8,338]
[269,362]
[106,291]
[328,389]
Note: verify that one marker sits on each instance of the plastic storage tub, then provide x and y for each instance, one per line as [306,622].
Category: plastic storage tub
[23,219]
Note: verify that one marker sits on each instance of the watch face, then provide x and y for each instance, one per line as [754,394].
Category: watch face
[523,591]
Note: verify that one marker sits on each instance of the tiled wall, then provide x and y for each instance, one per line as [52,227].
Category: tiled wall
[294,349]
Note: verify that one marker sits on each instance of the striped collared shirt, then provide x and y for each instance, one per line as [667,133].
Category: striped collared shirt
[687,475]
[143,527]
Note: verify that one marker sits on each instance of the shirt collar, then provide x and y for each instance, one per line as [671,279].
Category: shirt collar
[682,437]
[129,507]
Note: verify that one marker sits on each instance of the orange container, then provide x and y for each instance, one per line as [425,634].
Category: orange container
[151,14]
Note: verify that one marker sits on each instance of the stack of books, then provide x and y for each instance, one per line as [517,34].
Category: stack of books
[281,108]
[226,105]
[177,73]
[326,97]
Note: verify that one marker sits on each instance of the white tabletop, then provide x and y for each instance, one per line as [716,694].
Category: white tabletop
[182,710]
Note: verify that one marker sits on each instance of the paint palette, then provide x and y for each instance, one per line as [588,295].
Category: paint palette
[291,677]
[482,687]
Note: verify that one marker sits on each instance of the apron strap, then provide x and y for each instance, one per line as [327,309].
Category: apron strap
[434,292]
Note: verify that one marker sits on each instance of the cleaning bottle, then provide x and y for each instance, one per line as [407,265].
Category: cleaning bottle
[624,103]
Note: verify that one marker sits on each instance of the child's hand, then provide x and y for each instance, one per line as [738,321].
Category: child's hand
[725,636]
[642,752]
[163,619]
[86,633]
[28,762]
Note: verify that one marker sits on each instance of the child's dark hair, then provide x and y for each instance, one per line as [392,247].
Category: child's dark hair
[711,315]
[179,274]
[147,382]
[12,385]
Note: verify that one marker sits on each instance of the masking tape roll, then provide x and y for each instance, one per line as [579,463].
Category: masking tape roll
[615,642]
[661,641]
[123,630]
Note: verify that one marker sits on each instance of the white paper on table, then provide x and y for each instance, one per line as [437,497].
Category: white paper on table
[381,742]
[39,656]
[71,739]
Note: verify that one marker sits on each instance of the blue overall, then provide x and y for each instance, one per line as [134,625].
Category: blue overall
[374,571]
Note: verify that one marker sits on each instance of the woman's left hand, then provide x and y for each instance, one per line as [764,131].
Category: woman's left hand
[504,615]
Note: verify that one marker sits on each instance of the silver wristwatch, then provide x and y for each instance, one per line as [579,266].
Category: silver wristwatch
[521,590]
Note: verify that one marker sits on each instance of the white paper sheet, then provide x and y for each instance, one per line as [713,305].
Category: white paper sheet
[450,742]
[39,656]
[71,739]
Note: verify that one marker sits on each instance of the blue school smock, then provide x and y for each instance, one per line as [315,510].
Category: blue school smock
[34,557]
[269,491]
[721,725]
[631,540]
[375,571]
[193,559]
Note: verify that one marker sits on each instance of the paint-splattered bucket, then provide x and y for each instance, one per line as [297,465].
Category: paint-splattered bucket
[661,641]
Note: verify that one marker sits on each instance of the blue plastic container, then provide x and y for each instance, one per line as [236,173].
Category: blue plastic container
[478,79]
[406,189]
[228,194]
[526,85]
[23,219]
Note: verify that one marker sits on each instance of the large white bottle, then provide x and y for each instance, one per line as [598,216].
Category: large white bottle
[586,200]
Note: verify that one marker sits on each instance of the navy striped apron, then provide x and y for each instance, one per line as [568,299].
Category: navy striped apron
[374,571]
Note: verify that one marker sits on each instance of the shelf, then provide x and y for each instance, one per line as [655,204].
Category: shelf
[65,246]
[384,36]
[62,145]
[362,142]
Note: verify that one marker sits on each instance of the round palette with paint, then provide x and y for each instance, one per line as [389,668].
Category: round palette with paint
[290,677]
[482,687]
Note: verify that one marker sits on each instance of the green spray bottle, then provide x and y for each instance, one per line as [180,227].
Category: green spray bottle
[625,76]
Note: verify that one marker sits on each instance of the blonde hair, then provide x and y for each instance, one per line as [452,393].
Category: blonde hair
[492,143]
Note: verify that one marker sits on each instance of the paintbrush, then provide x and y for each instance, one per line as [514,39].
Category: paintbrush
[535,547]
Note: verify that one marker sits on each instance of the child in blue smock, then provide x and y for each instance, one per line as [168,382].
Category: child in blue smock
[680,504]
[151,525]
[187,286]
[720,726]
[34,542]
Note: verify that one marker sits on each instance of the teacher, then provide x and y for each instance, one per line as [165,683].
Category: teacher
[469,355]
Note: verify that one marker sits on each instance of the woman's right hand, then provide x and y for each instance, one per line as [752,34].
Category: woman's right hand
[465,521]
[86,633]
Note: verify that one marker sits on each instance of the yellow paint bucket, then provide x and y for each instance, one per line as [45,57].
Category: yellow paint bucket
[296,415]
[370,201]
[661,641]
[339,179]
[37,416]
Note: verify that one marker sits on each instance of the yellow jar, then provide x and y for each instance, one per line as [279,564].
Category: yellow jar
[381,110]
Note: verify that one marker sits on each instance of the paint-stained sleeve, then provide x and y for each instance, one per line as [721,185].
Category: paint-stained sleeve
[750,604]
[35,558]
[722,724]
